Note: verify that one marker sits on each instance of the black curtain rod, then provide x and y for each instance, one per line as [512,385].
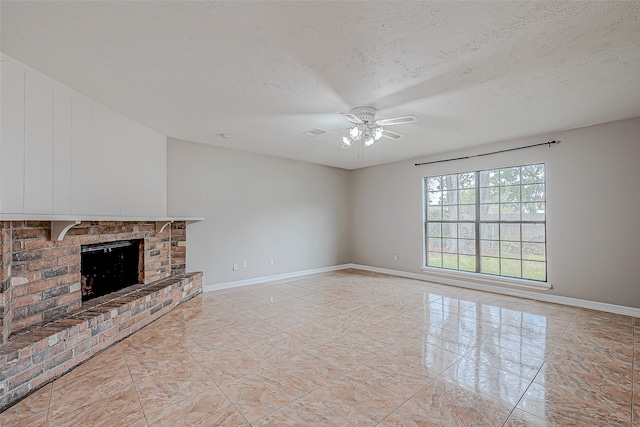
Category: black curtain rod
[486,154]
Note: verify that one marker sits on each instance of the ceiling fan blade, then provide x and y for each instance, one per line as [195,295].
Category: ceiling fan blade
[353,118]
[391,134]
[396,120]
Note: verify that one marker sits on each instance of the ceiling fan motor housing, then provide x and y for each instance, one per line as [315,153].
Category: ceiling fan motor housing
[366,114]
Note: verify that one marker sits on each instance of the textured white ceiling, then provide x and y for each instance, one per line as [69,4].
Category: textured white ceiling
[265,72]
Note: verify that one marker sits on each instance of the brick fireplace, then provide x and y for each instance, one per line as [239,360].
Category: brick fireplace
[46,329]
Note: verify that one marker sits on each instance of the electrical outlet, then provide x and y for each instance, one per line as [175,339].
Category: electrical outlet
[235,266]
[395,257]
[270,261]
[244,264]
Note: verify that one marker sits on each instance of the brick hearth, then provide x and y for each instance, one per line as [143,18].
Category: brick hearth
[46,329]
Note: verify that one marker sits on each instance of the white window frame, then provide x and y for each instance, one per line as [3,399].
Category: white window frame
[455,276]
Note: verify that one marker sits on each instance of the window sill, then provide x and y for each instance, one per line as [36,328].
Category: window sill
[485,279]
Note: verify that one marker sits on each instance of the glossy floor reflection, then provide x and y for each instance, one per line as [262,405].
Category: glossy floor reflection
[349,348]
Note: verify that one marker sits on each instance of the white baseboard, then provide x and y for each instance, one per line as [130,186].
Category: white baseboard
[264,279]
[539,296]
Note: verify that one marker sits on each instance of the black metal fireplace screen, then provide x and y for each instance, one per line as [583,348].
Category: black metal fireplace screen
[109,267]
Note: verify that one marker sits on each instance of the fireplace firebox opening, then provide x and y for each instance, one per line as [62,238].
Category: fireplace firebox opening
[109,267]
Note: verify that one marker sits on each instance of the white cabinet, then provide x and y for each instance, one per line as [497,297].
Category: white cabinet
[63,153]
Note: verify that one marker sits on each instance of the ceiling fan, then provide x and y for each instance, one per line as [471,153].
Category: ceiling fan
[368,130]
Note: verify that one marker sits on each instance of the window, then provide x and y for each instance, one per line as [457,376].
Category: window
[490,222]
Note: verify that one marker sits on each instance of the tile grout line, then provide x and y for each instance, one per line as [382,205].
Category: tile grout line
[249,373]
[46,421]
[340,376]
[133,383]
[441,374]
[538,371]
[217,385]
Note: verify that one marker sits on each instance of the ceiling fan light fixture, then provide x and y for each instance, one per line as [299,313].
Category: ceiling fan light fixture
[367,130]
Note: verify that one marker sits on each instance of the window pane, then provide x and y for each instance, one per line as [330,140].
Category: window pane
[450,261]
[434,230]
[466,230]
[434,259]
[510,212]
[450,213]
[533,233]
[467,263]
[434,213]
[510,194]
[467,197]
[534,270]
[434,198]
[489,231]
[532,174]
[489,212]
[467,246]
[467,212]
[490,178]
[533,251]
[533,211]
[510,176]
[510,232]
[490,248]
[433,183]
[510,267]
[510,249]
[489,265]
[450,197]
[533,193]
[434,244]
[450,182]
[490,195]
[450,230]
[450,246]
[467,180]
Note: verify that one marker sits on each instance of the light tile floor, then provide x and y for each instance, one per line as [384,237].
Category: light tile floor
[352,348]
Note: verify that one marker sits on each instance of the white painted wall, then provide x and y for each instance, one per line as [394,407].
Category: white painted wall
[593,209]
[257,207]
[63,153]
